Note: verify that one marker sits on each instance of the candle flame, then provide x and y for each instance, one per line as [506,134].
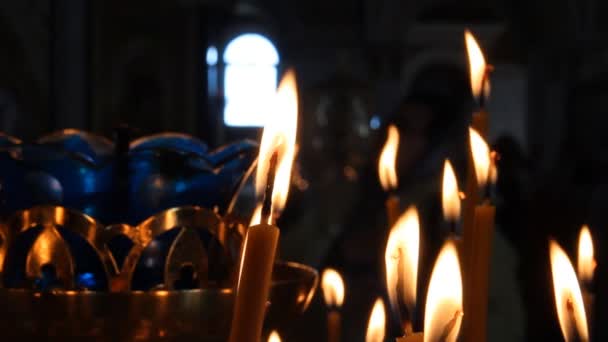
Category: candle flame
[449,197]
[376,323]
[388,157]
[443,311]
[568,297]
[586,259]
[274,337]
[481,157]
[401,258]
[333,288]
[256,217]
[477,66]
[279,136]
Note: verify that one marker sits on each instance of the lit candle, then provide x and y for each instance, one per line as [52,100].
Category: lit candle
[443,310]
[333,293]
[274,337]
[477,242]
[568,297]
[586,267]
[450,196]
[388,173]
[376,324]
[401,267]
[277,151]
[480,87]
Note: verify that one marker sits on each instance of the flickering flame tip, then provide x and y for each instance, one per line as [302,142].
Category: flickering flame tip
[443,311]
[376,324]
[481,157]
[401,259]
[478,68]
[586,258]
[274,337]
[386,164]
[450,194]
[333,288]
[279,137]
[568,297]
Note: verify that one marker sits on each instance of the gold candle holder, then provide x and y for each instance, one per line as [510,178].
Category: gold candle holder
[64,312]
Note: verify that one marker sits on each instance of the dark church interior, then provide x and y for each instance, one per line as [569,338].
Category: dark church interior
[117,112]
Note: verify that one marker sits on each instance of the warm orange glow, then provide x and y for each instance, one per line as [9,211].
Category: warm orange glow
[586,259]
[279,136]
[481,157]
[274,337]
[388,157]
[477,66]
[333,288]
[493,170]
[44,246]
[401,258]
[256,217]
[568,298]
[376,323]
[443,311]
[450,199]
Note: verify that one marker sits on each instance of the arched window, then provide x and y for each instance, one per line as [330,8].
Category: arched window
[250,79]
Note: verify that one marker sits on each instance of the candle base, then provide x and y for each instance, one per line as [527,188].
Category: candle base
[334,322]
[477,276]
[392,210]
[481,123]
[254,283]
[417,337]
[589,301]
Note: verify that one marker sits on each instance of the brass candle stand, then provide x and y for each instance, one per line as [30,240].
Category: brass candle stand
[64,278]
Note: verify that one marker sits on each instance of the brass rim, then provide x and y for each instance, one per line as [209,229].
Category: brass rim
[71,131]
[307,272]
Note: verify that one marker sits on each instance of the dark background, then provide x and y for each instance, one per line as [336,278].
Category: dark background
[96,64]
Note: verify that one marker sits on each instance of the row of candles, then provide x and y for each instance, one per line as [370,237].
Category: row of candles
[456,296]
[452,294]
[333,288]
[445,292]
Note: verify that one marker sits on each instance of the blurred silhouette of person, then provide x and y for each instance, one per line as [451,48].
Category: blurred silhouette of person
[431,119]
